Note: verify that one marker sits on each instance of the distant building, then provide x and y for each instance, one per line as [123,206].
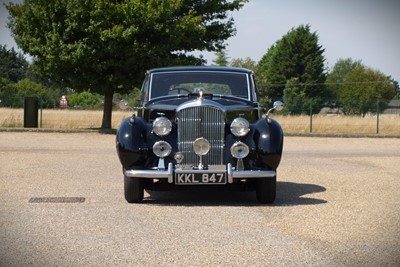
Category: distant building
[393,107]
[331,111]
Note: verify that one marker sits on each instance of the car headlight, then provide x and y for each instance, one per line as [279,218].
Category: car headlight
[240,127]
[201,146]
[239,150]
[162,126]
[162,149]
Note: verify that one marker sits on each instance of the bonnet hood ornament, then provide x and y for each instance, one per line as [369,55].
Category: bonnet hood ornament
[200,91]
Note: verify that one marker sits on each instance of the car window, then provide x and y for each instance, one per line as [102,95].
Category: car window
[222,83]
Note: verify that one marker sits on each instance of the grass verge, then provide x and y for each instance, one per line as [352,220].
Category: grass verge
[91,119]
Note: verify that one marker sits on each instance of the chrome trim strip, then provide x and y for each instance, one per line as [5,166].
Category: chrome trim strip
[169,173]
[153,174]
[253,174]
[229,171]
[199,102]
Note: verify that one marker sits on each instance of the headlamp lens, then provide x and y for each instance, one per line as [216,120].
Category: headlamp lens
[240,150]
[240,127]
[162,149]
[162,126]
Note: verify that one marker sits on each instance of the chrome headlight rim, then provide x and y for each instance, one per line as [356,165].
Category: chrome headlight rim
[162,126]
[201,146]
[240,127]
[240,150]
[162,149]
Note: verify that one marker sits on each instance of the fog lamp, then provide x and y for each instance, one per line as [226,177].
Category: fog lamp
[239,150]
[162,126]
[162,149]
[240,127]
[178,157]
[201,146]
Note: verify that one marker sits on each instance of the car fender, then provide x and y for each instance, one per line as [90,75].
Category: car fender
[131,142]
[268,137]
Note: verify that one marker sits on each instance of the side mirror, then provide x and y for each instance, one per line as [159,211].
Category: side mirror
[278,106]
[123,104]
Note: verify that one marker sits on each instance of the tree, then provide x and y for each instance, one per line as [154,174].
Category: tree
[12,94]
[222,58]
[296,55]
[13,65]
[106,46]
[83,100]
[294,98]
[16,80]
[338,74]
[362,88]
[358,88]
[246,63]
[396,86]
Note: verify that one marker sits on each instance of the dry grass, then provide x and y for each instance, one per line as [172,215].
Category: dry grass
[388,124]
[62,118]
[86,119]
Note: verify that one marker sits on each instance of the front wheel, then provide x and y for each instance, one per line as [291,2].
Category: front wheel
[266,190]
[133,189]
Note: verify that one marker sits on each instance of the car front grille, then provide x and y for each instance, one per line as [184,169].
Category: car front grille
[201,121]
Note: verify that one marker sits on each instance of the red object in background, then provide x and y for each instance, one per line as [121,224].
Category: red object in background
[64,102]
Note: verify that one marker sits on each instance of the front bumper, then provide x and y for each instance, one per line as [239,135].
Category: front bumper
[169,173]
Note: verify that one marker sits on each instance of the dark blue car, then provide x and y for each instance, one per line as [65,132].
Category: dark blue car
[200,126]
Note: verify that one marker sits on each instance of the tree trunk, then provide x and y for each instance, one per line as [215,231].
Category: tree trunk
[107,111]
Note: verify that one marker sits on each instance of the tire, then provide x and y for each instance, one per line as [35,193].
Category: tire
[266,190]
[133,189]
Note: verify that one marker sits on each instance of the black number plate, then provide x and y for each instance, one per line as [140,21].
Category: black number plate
[200,178]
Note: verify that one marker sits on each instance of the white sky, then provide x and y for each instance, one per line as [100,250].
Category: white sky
[366,30]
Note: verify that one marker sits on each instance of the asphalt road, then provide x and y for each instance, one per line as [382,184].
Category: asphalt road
[338,204]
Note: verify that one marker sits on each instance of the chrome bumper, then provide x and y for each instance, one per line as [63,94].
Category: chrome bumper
[169,173]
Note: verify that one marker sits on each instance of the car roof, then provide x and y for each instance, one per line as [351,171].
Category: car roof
[199,68]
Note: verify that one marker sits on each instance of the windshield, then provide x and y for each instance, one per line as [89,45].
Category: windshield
[220,83]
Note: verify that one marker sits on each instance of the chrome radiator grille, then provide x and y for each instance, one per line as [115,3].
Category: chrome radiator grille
[203,121]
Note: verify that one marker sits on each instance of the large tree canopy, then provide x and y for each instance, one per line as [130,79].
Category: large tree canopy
[339,72]
[296,58]
[105,46]
[359,88]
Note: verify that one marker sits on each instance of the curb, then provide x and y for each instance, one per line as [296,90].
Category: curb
[342,135]
[44,130]
[114,131]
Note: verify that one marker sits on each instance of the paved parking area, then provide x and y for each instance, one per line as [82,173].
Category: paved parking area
[338,204]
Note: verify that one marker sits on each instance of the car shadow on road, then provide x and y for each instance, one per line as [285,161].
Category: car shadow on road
[288,194]
[292,194]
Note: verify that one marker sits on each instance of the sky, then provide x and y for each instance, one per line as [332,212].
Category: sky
[366,30]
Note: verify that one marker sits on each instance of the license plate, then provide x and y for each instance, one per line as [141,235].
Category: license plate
[200,178]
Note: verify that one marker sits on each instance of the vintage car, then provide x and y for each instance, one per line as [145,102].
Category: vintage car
[196,127]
